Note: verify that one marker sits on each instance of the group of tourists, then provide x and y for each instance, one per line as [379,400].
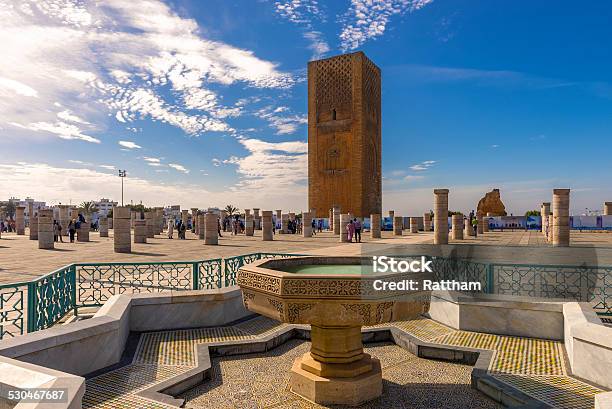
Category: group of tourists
[180,227]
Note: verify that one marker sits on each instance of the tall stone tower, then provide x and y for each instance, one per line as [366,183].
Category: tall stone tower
[344,135]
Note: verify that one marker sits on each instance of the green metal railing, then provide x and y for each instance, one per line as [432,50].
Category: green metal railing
[39,304]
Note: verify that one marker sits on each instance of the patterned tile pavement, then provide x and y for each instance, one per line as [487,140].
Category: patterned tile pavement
[534,366]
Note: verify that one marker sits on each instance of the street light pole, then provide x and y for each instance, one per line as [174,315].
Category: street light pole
[122,175]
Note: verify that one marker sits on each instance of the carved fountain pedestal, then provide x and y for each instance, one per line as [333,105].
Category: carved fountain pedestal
[336,370]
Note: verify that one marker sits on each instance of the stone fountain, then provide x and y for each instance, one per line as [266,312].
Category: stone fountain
[336,296]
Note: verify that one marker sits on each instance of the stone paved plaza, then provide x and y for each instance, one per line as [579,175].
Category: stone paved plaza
[261,380]
[22,260]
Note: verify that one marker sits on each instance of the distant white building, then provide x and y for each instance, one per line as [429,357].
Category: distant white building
[26,203]
[104,206]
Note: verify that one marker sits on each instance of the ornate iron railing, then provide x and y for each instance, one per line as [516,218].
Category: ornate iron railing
[13,302]
[39,304]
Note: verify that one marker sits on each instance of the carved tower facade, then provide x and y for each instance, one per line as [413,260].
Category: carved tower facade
[344,135]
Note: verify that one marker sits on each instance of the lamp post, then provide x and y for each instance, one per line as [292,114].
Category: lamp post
[122,175]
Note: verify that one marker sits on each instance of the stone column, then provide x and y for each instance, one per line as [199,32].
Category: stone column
[133,217]
[185,216]
[607,210]
[457,222]
[561,227]
[248,222]
[544,213]
[200,229]
[211,231]
[256,219]
[468,230]
[34,224]
[480,225]
[266,225]
[194,219]
[64,218]
[375,226]
[440,216]
[149,226]
[344,219]
[485,223]
[331,219]
[549,224]
[110,223]
[141,229]
[45,229]
[284,224]
[20,220]
[414,225]
[398,225]
[427,221]
[159,220]
[121,229]
[103,226]
[307,224]
[83,230]
[336,219]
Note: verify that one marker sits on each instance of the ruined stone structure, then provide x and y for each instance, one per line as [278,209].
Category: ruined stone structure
[307,224]
[336,219]
[468,229]
[248,222]
[414,225]
[141,229]
[544,212]
[375,226]
[344,135]
[607,210]
[561,227]
[427,221]
[457,227]
[211,229]
[440,216]
[492,203]
[266,225]
[121,229]
[20,220]
[398,225]
[200,228]
[480,225]
[83,231]
[103,226]
[45,229]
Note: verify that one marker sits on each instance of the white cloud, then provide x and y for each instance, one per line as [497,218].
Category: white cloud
[152,160]
[423,165]
[271,168]
[17,87]
[129,145]
[318,45]
[107,167]
[85,59]
[299,11]
[367,19]
[60,129]
[413,177]
[178,167]
[284,124]
[494,146]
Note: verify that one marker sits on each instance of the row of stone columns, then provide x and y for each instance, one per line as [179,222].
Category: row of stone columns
[555,224]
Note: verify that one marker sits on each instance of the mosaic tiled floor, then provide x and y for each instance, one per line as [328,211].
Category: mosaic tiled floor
[536,367]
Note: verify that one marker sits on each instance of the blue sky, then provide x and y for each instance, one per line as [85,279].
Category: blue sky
[204,102]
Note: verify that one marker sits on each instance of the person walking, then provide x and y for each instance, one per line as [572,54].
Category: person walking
[475,226]
[59,232]
[71,230]
[350,227]
[55,231]
[313,225]
[357,224]
[170,228]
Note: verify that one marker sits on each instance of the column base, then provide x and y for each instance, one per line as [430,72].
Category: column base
[351,391]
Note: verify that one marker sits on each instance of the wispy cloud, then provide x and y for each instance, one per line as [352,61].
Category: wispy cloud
[119,57]
[367,19]
[178,167]
[423,165]
[280,119]
[129,145]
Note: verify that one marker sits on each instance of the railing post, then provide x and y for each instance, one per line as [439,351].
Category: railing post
[195,267]
[32,306]
[73,282]
[490,279]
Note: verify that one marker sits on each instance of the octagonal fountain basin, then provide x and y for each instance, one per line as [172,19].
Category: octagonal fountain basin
[336,296]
